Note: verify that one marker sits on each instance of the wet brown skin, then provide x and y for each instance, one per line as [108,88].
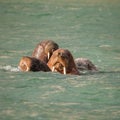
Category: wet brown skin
[44,48]
[62,58]
[32,64]
[85,64]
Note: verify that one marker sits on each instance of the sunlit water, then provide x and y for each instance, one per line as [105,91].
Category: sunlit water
[89,29]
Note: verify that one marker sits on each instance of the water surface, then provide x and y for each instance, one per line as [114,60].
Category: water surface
[88,29]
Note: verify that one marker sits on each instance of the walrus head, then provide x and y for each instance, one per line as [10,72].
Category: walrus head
[85,64]
[62,61]
[25,64]
[44,50]
[32,64]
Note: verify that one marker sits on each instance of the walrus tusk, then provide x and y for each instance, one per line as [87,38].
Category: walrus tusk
[64,70]
[27,68]
[53,68]
[48,55]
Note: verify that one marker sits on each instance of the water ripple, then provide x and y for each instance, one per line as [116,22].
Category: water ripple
[9,68]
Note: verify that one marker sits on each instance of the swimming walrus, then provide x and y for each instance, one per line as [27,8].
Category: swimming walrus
[85,64]
[32,64]
[62,61]
[44,50]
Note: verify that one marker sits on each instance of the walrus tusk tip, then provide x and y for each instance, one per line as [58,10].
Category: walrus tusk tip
[48,55]
[53,69]
[64,70]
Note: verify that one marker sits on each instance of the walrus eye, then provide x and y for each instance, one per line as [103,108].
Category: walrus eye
[61,55]
[53,50]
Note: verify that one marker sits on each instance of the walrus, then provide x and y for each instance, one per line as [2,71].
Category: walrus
[62,61]
[32,64]
[44,50]
[85,64]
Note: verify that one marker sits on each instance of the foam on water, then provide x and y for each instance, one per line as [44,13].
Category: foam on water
[9,68]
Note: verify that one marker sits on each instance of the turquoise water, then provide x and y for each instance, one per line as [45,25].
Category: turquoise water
[88,29]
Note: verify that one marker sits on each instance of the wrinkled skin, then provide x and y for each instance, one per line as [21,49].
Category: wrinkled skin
[44,50]
[32,64]
[62,61]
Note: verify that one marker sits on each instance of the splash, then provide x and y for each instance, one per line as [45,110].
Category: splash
[9,68]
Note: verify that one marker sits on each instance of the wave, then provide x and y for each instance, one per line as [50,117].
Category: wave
[9,68]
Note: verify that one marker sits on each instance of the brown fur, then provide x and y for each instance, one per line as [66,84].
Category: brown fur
[32,64]
[85,64]
[63,58]
[43,48]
